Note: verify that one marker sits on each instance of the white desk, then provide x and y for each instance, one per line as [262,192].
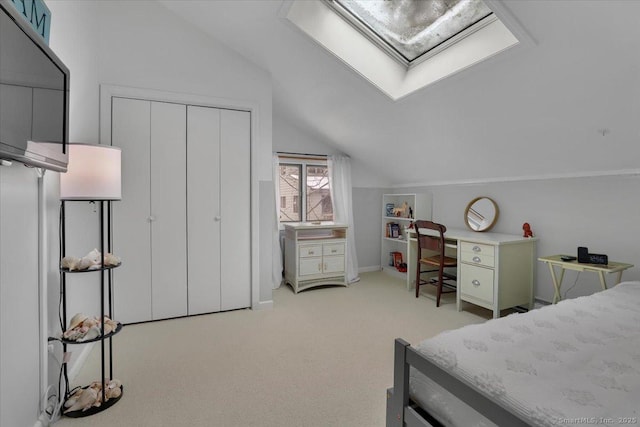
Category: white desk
[495,270]
[556,261]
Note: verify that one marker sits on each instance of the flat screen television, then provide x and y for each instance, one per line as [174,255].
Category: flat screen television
[34,96]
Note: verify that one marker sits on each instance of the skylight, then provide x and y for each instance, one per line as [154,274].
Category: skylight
[408,30]
[401,46]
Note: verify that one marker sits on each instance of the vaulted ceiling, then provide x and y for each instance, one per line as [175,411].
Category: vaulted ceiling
[567,104]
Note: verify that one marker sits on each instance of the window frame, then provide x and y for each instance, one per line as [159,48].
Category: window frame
[367,31]
[303,163]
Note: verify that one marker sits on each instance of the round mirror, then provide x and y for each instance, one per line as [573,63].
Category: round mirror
[481,214]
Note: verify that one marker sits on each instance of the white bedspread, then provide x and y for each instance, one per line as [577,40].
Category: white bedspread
[573,363]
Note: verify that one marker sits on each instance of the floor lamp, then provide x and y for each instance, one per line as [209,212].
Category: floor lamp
[93,175]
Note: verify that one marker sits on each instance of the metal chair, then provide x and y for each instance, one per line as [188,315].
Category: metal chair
[433,242]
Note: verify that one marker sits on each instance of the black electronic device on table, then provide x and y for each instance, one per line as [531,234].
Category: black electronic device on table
[568,258]
[585,257]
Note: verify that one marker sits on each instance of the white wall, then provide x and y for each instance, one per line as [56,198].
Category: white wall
[19,314]
[287,137]
[367,221]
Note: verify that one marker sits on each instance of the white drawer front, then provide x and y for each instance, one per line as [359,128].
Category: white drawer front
[477,282]
[478,259]
[477,248]
[310,251]
[333,249]
[333,264]
[310,266]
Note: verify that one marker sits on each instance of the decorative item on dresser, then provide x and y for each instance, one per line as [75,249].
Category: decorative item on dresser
[314,255]
[93,176]
[481,214]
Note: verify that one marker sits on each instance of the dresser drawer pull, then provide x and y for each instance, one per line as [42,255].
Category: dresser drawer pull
[333,251]
[475,282]
[476,249]
[476,259]
[311,252]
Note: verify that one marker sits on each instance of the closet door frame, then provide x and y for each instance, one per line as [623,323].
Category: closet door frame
[107,92]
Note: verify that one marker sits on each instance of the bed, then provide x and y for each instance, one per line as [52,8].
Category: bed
[573,363]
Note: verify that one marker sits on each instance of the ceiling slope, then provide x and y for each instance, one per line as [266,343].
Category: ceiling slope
[567,105]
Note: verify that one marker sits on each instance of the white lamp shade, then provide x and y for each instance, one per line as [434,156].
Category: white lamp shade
[93,173]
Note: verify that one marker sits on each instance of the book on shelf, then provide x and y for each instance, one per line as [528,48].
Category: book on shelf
[393,230]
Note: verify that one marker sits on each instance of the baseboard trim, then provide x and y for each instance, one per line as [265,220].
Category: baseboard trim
[369,269]
[539,302]
[263,305]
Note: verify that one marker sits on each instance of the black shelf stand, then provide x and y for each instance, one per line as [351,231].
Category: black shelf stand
[105,284]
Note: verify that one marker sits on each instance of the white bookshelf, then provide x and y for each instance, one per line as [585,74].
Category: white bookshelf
[420,205]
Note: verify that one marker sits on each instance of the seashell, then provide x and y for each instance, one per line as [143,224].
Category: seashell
[86,399]
[84,264]
[91,321]
[113,393]
[71,401]
[72,334]
[93,332]
[77,319]
[111,260]
[94,256]
[109,325]
[69,262]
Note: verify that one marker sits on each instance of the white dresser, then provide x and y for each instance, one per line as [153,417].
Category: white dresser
[314,255]
[495,270]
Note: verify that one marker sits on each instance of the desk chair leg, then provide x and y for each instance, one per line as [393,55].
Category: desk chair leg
[439,288]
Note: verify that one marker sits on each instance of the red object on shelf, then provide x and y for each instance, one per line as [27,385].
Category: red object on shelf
[397,261]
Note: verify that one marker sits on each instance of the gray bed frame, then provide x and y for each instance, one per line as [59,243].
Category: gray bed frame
[402,411]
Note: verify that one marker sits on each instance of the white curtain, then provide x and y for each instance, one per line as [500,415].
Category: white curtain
[277,249]
[340,183]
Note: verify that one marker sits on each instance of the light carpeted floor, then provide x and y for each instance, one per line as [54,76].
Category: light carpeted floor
[321,358]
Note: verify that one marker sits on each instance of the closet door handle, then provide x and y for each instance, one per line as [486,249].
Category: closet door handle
[151,218]
[216,218]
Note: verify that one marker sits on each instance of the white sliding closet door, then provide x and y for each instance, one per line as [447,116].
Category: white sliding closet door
[131,131]
[168,210]
[203,207]
[183,226]
[235,209]
[219,189]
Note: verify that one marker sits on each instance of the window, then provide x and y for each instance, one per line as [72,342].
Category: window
[296,201]
[290,189]
[315,194]
[401,46]
[408,30]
